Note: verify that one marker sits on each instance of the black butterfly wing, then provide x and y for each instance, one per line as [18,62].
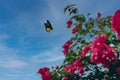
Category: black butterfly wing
[49,24]
[46,25]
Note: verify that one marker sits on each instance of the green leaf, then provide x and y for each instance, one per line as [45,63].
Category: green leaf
[115,42]
[66,59]
[63,72]
[89,26]
[83,32]
[94,32]
[72,59]
[88,14]
[74,11]
[81,19]
[74,17]
[103,22]
[83,41]
[68,7]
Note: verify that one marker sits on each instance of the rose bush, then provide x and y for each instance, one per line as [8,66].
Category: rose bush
[93,52]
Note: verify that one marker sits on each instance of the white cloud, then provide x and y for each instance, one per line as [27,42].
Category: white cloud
[56,12]
[12,75]
[12,63]
[4,37]
[8,58]
[48,56]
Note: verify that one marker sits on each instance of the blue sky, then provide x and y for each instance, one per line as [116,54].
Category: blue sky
[24,44]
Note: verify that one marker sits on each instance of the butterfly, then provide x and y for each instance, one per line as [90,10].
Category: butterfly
[48,26]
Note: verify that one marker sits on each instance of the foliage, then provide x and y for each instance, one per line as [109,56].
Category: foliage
[93,52]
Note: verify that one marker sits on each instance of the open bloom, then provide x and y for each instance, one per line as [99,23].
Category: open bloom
[45,73]
[70,68]
[66,47]
[85,51]
[115,22]
[76,66]
[101,52]
[81,70]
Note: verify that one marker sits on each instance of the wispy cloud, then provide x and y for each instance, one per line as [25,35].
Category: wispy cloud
[12,63]
[4,37]
[9,59]
[48,56]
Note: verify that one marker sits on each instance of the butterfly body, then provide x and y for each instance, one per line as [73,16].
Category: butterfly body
[48,26]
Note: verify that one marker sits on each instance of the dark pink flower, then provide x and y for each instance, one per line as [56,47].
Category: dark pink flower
[82,56]
[76,66]
[84,51]
[81,70]
[98,40]
[69,42]
[99,15]
[57,67]
[77,63]
[43,70]
[64,75]
[115,22]
[69,23]
[45,73]
[75,30]
[65,51]
[101,52]
[118,36]
[66,47]
[70,68]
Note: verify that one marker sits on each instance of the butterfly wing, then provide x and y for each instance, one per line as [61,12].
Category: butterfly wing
[48,26]
[48,22]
